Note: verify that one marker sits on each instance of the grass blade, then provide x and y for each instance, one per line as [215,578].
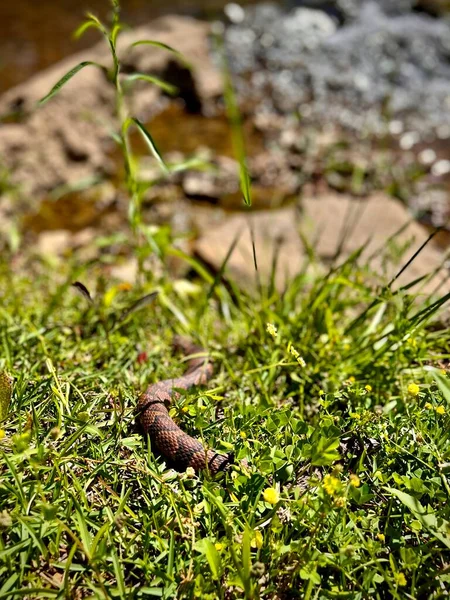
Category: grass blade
[163,46]
[91,21]
[167,87]
[67,77]
[141,303]
[150,142]
[237,133]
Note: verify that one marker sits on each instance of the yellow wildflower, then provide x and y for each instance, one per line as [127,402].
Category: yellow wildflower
[440,410]
[190,472]
[355,481]
[368,388]
[413,389]
[257,540]
[2,434]
[356,416]
[428,406]
[271,495]
[381,537]
[331,485]
[272,330]
[218,546]
[400,579]
[185,409]
[351,379]
[340,502]
[243,435]
[297,356]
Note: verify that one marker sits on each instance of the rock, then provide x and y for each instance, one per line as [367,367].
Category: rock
[274,230]
[213,184]
[54,243]
[58,241]
[125,272]
[321,219]
[377,219]
[384,57]
[431,203]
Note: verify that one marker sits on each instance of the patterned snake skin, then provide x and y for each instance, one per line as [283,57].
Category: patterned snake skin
[180,449]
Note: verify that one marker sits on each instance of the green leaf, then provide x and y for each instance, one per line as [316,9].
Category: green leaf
[246,556]
[206,547]
[325,452]
[163,47]
[167,87]
[67,77]
[429,521]
[115,32]
[148,138]
[237,132]
[5,394]
[443,385]
[92,21]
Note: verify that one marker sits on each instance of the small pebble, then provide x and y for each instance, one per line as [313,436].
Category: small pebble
[409,139]
[441,167]
[395,127]
[234,12]
[427,156]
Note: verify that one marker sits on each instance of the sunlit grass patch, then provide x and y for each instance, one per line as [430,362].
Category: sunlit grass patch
[340,482]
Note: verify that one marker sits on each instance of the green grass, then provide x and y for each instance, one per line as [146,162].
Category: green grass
[357,464]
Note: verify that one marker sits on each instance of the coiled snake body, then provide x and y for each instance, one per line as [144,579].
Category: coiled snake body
[170,441]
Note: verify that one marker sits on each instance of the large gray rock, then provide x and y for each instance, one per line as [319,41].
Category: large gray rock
[385,56]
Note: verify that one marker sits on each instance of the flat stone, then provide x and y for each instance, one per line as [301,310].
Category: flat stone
[323,221]
[375,220]
[274,230]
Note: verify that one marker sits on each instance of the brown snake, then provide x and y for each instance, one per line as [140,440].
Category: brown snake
[180,449]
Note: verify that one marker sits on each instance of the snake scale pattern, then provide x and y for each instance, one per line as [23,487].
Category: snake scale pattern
[180,449]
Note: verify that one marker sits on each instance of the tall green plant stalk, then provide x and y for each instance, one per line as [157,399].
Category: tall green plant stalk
[134,186]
